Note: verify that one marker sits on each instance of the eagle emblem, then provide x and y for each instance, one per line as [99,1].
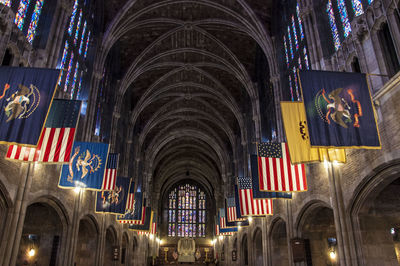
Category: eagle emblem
[112,197]
[22,103]
[85,163]
[336,106]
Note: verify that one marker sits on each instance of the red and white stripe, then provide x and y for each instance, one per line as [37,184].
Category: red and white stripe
[280,175]
[110,179]
[222,222]
[154,228]
[253,207]
[130,205]
[217,229]
[55,145]
[232,217]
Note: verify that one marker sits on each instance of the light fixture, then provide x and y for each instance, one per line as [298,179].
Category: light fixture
[250,219]
[335,163]
[239,227]
[326,164]
[31,252]
[77,190]
[151,236]
[158,240]
[221,238]
[332,255]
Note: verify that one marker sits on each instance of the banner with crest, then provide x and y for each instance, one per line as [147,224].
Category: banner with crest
[148,220]
[25,98]
[86,166]
[114,201]
[339,110]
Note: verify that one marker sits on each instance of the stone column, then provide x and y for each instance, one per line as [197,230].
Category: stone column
[289,230]
[18,214]
[114,129]
[342,233]
[278,115]
[57,30]
[102,240]
[6,18]
[73,238]
[311,42]
[394,27]
[92,101]
[265,242]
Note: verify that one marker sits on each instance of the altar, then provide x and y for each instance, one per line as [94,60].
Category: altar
[186,250]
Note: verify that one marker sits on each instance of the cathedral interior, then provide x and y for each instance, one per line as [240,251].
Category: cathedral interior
[184,91]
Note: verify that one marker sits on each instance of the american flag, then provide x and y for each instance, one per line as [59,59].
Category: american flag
[55,142]
[248,205]
[110,175]
[276,172]
[257,194]
[128,218]
[222,219]
[130,204]
[153,230]
[232,211]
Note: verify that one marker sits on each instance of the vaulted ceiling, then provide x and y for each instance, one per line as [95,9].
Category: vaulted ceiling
[187,70]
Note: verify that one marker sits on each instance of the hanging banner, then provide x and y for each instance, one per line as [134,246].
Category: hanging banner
[339,110]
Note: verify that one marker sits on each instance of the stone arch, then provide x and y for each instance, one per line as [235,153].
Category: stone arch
[257,246]
[125,251]
[278,242]
[134,250]
[316,226]
[372,225]
[44,233]
[111,240]
[244,251]
[5,205]
[88,241]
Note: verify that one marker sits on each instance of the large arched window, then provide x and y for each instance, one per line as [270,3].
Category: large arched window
[73,62]
[295,46]
[187,211]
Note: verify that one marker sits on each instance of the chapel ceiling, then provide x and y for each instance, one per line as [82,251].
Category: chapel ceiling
[187,70]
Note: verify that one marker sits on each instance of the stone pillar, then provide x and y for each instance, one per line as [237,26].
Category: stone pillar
[57,30]
[114,128]
[289,230]
[394,27]
[265,242]
[102,240]
[278,116]
[92,101]
[18,214]
[310,37]
[6,18]
[346,255]
[73,237]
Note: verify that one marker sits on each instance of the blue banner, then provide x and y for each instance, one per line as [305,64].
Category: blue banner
[25,97]
[148,220]
[339,110]
[114,201]
[133,216]
[86,166]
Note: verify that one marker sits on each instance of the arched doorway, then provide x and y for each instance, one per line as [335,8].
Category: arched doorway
[279,244]
[124,249]
[378,224]
[86,247]
[244,258]
[4,212]
[318,230]
[111,241]
[258,248]
[41,236]
[134,249]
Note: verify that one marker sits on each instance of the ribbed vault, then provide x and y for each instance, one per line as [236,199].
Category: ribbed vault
[187,90]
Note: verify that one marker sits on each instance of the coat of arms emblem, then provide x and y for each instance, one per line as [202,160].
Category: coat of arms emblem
[85,163]
[22,103]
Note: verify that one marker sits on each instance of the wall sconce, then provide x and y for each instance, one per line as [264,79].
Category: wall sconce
[31,252]
[332,243]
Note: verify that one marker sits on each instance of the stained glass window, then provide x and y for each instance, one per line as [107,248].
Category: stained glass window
[77,35]
[83,37]
[74,80]
[63,59]
[300,21]
[286,51]
[332,22]
[344,17]
[290,43]
[34,21]
[296,42]
[87,44]
[186,211]
[357,7]
[72,21]
[70,66]
[5,2]
[370,1]
[78,26]
[21,13]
